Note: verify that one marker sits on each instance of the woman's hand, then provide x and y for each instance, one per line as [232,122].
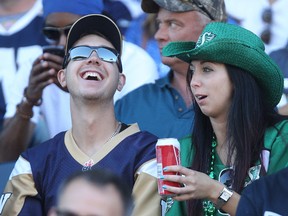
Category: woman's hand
[196,185]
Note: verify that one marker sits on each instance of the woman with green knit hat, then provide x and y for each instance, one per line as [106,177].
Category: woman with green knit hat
[238,136]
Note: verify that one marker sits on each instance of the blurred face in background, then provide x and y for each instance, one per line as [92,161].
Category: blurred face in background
[183,26]
[57,26]
[81,198]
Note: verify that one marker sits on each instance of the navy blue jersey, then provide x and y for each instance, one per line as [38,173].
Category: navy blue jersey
[266,196]
[39,171]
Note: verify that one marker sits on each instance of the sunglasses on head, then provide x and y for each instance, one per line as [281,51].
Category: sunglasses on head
[266,18]
[79,53]
[53,34]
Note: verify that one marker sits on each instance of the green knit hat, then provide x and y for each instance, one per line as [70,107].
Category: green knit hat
[233,45]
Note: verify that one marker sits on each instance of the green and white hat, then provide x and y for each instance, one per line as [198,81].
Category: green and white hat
[231,44]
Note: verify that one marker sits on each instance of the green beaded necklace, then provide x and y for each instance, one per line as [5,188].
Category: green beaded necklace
[208,206]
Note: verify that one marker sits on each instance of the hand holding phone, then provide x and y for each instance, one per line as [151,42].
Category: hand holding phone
[53,49]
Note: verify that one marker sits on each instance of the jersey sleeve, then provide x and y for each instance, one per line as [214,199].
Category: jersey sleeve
[20,196]
[145,191]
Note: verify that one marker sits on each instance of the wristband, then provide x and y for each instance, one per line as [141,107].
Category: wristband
[29,101]
[22,114]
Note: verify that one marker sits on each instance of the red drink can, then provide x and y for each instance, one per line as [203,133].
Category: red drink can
[167,154]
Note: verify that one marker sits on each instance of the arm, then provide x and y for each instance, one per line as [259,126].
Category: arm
[145,191]
[17,131]
[15,136]
[20,195]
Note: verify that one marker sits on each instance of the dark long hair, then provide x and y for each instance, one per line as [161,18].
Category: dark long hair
[248,118]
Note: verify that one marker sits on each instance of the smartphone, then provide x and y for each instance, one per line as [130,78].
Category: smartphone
[53,49]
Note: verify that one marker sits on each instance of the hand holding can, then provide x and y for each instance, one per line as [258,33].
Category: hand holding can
[167,154]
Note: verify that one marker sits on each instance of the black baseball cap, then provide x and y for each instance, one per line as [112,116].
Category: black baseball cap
[95,23]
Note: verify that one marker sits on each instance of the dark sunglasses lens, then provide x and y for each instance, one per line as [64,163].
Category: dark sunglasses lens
[106,55]
[267,15]
[79,53]
[267,18]
[225,177]
[266,36]
[51,34]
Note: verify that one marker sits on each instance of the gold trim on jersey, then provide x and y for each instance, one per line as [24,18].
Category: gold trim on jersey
[82,158]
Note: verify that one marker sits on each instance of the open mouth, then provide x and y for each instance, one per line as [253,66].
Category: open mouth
[200,97]
[92,76]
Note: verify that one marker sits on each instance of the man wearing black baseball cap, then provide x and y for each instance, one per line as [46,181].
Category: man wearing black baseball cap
[92,73]
[91,24]
[35,97]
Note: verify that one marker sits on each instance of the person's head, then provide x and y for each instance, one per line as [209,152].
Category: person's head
[59,17]
[229,44]
[92,63]
[93,193]
[182,21]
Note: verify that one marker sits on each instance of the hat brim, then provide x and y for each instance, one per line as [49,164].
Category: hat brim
[95,23]
[149,6]
[266,73]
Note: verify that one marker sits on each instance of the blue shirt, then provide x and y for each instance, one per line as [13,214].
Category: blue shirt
[157,108]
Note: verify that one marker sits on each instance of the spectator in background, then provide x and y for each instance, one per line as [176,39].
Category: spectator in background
[266,18]
[266,196]
[21,41]
[43,86]
[119,12]
[97,192]
[165,107]
[92,71]
[123,12]
[141,31]
[280,56]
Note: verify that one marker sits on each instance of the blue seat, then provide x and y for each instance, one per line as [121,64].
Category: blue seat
[5,171]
